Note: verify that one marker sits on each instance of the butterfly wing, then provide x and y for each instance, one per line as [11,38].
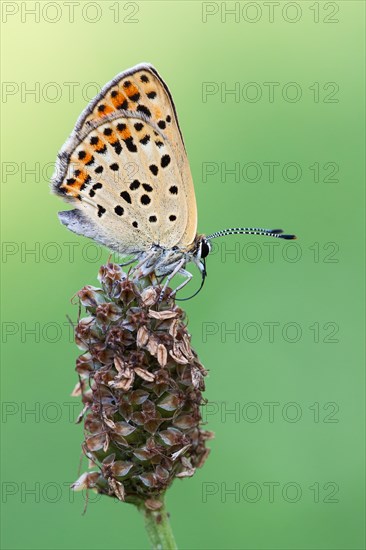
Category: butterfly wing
[125,168]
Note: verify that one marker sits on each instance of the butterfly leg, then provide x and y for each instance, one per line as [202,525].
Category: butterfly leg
[129,262]
[177,269]
[143,266]
[188,276]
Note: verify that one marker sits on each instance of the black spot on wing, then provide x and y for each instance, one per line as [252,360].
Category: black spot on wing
[165,160]
[145,200]
[85,183]
[101,210]
[145,139]
[130,144]
[143,109]
[126,196]
[123,106]
[117,147]
[119,210]
[135,185]
[95,187]
[134,97]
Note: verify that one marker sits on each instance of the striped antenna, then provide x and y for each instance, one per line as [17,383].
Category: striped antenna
[278,233]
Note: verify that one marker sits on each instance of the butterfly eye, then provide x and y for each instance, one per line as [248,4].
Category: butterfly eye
[205,248]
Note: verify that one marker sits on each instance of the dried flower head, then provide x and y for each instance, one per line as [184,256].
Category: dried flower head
[141,385]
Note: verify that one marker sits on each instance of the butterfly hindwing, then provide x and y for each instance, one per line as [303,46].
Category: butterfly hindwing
[125,168]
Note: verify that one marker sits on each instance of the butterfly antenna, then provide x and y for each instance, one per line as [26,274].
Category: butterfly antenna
[278,233]
[204,275]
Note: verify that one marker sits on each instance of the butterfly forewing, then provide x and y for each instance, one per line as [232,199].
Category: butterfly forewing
[138,90]
[126,170]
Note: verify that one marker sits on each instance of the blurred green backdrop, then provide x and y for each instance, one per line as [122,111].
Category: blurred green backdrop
[286,467]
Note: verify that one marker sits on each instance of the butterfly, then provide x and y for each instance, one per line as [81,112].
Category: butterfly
[125,170]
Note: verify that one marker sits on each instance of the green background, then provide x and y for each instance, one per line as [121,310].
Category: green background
[317,283]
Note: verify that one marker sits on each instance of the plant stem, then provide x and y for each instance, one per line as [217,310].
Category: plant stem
[158,528]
